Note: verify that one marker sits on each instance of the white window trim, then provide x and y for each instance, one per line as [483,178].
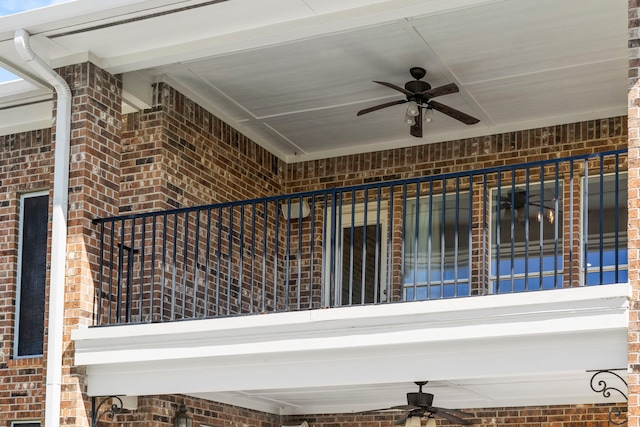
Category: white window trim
[437,198]
[492,212]
[358,210]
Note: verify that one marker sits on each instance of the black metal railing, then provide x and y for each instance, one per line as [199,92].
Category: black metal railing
[541,225]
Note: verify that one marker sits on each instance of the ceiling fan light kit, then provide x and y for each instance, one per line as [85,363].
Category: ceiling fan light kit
[419,95]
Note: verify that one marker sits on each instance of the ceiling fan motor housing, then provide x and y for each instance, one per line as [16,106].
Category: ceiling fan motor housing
[420,399]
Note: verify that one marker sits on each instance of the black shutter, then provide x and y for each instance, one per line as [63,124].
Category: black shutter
[33,275]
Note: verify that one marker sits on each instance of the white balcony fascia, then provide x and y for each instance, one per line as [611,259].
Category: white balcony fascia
[465,339]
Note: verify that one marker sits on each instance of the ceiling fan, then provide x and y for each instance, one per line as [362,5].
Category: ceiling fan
[419,95]
[419,405]
[516,203]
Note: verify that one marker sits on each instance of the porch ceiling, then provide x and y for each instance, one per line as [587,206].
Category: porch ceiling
[493,351]
[292,74]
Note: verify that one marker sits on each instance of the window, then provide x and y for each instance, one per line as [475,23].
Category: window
[360,252]
[605,238]
[436,246]
[29,335]
[526,237]
[25,424]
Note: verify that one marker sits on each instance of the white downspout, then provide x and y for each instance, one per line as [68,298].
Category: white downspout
[59,226]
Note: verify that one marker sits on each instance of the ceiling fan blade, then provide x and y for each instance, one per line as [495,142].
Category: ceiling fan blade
[402,419]
[450,417]
[416,130]
[404,407]
[398,88]
[442,90]
[455,412]
[452,112]
[381,106]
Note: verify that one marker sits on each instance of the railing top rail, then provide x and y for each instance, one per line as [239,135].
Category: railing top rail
[361,187]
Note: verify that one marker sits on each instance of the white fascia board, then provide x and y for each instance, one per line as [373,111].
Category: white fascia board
[565,311]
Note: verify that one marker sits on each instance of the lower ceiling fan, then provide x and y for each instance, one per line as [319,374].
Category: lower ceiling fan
[515,203]
[419,405]
[419,95]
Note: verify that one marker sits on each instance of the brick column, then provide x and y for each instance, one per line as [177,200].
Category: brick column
[634,211]
[94,185]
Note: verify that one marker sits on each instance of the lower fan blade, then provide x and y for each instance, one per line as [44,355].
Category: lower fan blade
[403,419]
[455,412]
[405,407]
[452,112]
[416,130]
[381,106]
[450,417]
[442,90]
[398,88]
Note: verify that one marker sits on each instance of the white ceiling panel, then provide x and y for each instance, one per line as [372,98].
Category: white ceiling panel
[515,38]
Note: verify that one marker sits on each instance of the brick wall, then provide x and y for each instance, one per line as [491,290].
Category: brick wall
[159,411]
[26,165]
[178,154]
[461,155]
[533,416]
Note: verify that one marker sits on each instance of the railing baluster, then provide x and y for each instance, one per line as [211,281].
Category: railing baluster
[616,226]
[287,257]
[185,257]
[556,221]
[253,259]
[241,263]
[416,241]
[376,276]
[364,248]
[527,228]
[498,229]
[218,261]
[601,228]
[230,261]
[571,215]
[174,265]
[97,314]
[585,223]
[512,229]
[312,250]
[164,264]
[442,234]
[264,257]
[299,257]
[207,266]
[196,264]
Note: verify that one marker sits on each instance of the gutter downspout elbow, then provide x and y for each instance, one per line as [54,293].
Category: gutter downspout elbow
[59,225]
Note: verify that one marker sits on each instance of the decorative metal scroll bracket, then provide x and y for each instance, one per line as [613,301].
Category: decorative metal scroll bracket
[617,415]
[112,409]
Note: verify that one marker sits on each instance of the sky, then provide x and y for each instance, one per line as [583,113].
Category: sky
[10,7]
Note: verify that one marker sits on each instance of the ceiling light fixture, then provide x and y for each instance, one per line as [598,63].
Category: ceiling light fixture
[413,110]
[410,120]
[428,115]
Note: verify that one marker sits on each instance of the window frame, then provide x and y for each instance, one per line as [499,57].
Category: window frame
[19,290]
[429,285]
[346,212]
[518,249]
